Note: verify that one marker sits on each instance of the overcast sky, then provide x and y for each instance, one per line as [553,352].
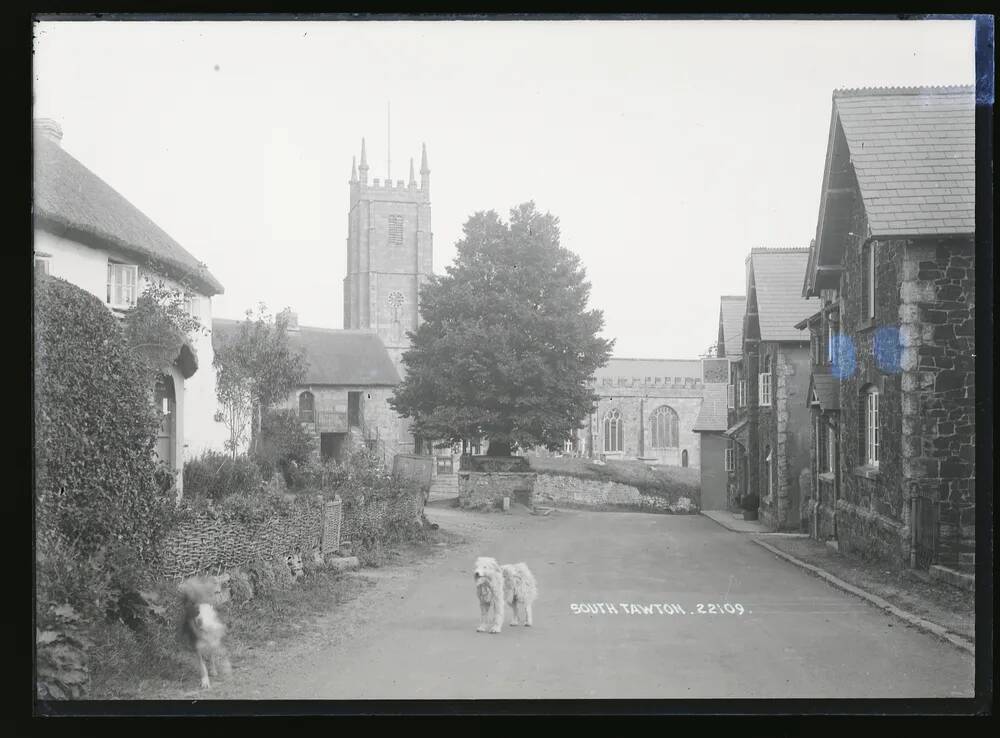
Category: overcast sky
[666,148]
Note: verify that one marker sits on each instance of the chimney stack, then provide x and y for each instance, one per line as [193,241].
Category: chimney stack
[48,128]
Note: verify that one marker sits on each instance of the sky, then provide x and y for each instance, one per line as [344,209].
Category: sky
[668,149]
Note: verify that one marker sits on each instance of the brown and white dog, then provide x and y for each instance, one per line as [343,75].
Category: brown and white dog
[497,586]
[201,626]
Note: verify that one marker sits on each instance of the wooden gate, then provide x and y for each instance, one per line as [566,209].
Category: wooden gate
[924,524]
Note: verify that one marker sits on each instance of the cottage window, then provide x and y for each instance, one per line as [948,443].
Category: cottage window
[614,432]
[307,412]
[663,427]
[742,392]
[730,396]
[42,264]
[764,383]
[869,407]
[192,306]
[123,281]
[396,230]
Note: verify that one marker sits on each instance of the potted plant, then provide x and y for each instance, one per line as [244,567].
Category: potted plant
[750,503]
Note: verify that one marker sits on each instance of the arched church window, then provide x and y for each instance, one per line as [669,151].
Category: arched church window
[663,430]
[614,432]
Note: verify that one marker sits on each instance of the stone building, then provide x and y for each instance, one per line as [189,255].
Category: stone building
[771,428]
[646,411]
[343,399]
[893,379]
[88,234]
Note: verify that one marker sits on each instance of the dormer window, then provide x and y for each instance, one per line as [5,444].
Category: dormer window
[123,285]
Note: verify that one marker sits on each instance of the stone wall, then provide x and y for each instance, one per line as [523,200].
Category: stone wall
[557,489]
[937,357]
[785,427]
[378,420]
[486,490]
[636,403]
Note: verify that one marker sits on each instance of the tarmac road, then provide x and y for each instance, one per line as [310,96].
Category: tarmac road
[797,637]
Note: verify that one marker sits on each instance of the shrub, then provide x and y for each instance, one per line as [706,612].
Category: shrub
[216,476]
[95,429]
[284,443]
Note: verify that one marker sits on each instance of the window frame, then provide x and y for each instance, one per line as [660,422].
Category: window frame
[45,261]
[831,449]
[307,395]
[614,429]
[122,268]
[730,457]
[671,419]
[872,435]
[764,393]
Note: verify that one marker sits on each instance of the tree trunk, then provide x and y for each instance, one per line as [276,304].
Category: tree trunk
[499,448]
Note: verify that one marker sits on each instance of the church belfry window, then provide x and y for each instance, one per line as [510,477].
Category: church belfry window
[396,230]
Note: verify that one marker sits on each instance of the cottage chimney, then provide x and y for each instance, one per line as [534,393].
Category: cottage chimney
[48,128]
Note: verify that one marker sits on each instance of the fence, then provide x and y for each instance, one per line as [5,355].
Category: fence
[210,544]
[375,513]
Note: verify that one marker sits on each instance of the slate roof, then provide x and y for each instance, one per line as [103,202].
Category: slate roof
[827,389]
[913,151]
[731,315]
[642,368]
[713,415]
[333,357]
[73,202]
[777,277]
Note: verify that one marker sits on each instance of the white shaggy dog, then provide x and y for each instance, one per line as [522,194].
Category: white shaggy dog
[496,585]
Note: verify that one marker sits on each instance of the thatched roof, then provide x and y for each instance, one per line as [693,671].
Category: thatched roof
[74,203]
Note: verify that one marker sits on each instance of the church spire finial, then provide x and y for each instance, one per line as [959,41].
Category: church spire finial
[425,171]
[363,169]
[413,180]
[354,169]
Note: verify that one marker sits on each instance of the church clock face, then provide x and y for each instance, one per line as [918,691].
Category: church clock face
[396,300]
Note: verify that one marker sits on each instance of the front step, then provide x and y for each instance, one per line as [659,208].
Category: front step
[444,487]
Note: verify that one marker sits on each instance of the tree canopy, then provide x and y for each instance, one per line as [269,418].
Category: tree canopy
[506,346]
[255,368]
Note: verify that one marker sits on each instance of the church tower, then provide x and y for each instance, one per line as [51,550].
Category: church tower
[389,254]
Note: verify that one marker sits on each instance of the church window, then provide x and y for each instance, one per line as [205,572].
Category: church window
[614,432]
[396,230]
[663,427]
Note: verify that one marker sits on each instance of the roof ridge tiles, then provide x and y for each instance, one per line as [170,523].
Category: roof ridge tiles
[892,90]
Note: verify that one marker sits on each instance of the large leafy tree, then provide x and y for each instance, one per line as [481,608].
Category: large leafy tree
[507,345]
[255,368]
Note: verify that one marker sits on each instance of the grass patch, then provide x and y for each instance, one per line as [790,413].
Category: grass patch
[660,481]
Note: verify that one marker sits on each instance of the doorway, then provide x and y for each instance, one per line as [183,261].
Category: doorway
[166,434]
[331,446]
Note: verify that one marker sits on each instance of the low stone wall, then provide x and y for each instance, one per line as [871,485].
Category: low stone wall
[486,490]
[590,493]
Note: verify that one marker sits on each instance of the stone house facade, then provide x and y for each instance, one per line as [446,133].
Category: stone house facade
[343,399]
[893,386]
[88,234]
[771,429]
[646,410]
